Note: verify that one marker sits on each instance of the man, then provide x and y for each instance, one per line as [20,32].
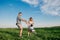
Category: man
[19,19]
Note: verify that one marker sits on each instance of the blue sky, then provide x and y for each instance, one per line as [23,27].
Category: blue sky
[43,13]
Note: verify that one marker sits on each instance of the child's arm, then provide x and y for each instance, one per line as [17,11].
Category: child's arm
[28,23]
[33,22]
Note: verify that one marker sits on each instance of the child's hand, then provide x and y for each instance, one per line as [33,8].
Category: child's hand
[27,24]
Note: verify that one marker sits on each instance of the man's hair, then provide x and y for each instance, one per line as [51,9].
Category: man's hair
[20,13]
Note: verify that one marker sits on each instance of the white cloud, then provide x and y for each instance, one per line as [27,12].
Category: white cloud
[51,7]
[32,2]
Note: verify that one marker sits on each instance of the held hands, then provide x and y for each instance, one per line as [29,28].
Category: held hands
[25,21]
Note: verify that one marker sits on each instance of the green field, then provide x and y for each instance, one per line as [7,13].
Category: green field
[42,34]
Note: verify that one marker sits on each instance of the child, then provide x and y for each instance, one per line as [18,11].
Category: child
[30,26]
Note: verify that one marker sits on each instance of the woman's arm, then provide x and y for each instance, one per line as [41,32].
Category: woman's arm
[24,20]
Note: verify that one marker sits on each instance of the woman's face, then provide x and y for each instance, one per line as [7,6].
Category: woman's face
[20,14]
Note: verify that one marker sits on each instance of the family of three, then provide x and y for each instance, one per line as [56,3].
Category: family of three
[29,23]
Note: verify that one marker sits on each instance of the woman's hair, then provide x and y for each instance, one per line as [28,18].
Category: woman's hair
[30,19]
[20,13]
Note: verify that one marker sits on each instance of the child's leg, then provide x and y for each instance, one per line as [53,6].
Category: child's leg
[28,33]
[34,32]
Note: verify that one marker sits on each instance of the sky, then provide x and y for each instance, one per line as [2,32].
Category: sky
[46,13]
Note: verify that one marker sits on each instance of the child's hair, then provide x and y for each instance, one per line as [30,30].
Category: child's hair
[30,19]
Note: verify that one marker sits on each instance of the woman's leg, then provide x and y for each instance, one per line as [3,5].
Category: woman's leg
[21,29]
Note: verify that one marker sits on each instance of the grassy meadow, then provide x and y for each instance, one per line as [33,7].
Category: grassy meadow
[42,34]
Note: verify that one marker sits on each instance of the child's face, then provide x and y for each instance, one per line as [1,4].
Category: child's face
[31,19]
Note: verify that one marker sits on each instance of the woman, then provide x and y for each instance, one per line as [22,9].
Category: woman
[19,19]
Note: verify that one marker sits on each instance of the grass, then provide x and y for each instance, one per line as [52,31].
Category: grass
[42,34]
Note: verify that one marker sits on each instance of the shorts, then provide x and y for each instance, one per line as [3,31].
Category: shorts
[18,26]
[30,29]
